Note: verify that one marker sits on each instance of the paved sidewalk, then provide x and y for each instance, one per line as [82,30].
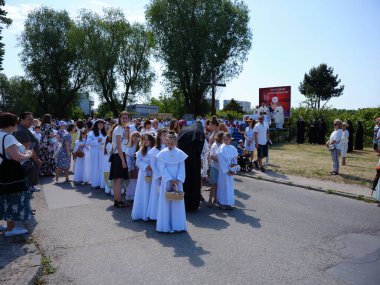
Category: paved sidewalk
[346,190]
[20,260]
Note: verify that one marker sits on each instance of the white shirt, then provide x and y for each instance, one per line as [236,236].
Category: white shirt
[132,128]
[119,131]
[336,136]
[261,131]
[9,141]
[213,152]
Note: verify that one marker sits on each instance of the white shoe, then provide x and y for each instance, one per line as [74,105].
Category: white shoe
[16,232]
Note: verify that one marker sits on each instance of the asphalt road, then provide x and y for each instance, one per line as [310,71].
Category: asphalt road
[277,235]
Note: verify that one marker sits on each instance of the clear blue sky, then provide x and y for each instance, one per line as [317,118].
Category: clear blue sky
[289,37]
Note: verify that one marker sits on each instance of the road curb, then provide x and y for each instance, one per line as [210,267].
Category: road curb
[319,189]
[21,261]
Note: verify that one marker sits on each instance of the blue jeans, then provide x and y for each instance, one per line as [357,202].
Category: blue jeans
[335,158]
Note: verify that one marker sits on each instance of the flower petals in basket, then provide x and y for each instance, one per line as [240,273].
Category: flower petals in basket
[148,177]
[174,195]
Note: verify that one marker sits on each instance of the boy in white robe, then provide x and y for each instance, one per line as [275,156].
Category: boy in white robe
[227,162]
[171,215]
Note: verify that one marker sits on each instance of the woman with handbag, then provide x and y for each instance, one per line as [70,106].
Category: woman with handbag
[333,145]
[144,179]
[132,148]
[14,197]
[171,216]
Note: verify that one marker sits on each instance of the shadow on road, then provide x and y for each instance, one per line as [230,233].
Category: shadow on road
[183,245]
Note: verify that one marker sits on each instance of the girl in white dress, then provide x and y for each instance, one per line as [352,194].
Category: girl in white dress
[249,143]
[140,204]
[80,167]
[171,215]
[96,140]
[227,159]
[107,165]
[156,174]
[214,168]
[132,148]
[344,142]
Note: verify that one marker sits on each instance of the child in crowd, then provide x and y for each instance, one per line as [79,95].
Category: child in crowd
[132,148]
[80,168]
[214,168]
[141,201]
[240,147]
[156,174]
[227,163]
[105,182]
[171,215]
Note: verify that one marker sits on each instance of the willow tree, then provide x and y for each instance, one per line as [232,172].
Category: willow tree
[53,60]
[194,38]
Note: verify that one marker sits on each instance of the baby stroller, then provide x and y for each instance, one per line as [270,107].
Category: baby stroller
[245,163]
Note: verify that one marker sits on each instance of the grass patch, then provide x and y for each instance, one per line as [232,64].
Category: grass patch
[47,269]
[314,161]
[330,191]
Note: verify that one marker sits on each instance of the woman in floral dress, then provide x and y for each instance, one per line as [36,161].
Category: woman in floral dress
[47,147]
[64,155]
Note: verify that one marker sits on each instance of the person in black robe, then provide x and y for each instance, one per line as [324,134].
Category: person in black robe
[351,136]
[300,130]
[321,132]
[359,136]
[313,132]
[191,140]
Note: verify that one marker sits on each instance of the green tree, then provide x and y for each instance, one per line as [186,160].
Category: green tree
[196,37]
[53,60]
[17,95]
[3,21]
[233,106]
[320,84]
[134,64]
[173,104]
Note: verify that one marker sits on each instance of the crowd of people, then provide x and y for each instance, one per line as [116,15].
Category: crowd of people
[156,167]
[150,162]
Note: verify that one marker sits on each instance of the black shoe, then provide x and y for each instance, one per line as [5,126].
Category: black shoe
[256,164]
[262,169]
[119,204]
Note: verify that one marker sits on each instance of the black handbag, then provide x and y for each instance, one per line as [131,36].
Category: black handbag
[27,167]
[12,178]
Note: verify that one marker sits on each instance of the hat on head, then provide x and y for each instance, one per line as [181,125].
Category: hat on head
[181,123]
[62,123]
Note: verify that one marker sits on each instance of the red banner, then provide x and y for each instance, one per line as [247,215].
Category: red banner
[273,97]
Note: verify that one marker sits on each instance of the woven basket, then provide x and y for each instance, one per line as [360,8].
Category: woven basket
[174,195]
[148,176]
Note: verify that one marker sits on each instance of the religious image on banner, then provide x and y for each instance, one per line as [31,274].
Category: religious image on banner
[275,101]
